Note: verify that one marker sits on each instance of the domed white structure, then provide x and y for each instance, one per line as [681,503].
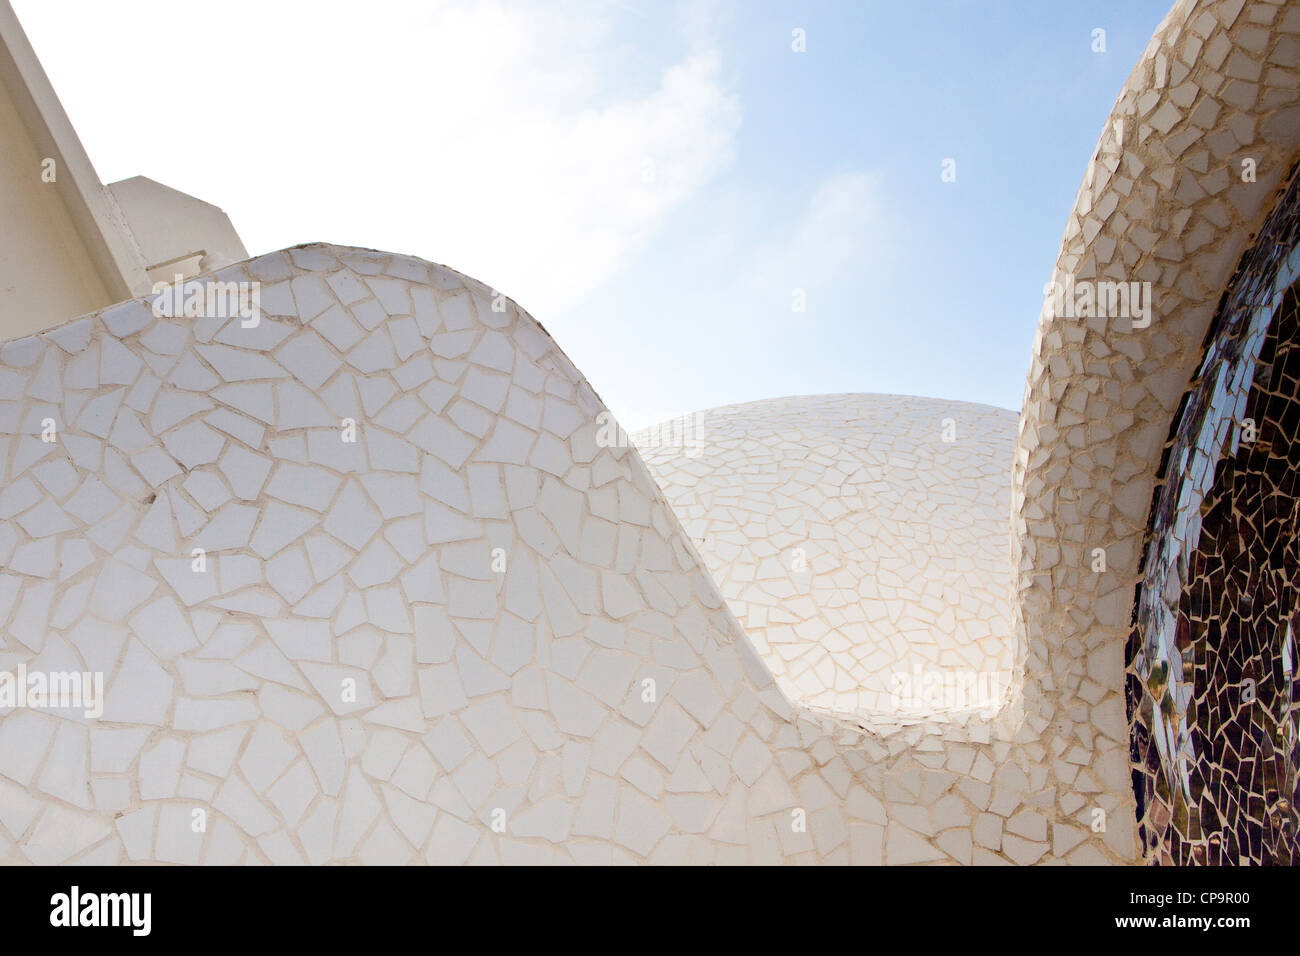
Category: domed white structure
[861,541]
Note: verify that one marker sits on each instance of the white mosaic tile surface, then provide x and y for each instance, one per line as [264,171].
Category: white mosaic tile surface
[861,541]
[471,617]
[354,675]
[502,716]
[1164,201]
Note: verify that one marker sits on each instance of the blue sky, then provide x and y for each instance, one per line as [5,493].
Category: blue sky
[652,180]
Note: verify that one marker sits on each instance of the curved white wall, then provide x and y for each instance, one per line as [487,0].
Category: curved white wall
[472,634]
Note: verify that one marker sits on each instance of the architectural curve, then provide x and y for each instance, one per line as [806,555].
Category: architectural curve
[363,586]
[1167,202]
[474,633]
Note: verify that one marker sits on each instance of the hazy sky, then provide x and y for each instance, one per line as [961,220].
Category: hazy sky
[651,180]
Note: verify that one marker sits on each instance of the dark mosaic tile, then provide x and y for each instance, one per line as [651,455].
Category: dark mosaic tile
[1212,696]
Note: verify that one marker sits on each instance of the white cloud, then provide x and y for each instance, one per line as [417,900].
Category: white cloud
[842,230]
[509,140]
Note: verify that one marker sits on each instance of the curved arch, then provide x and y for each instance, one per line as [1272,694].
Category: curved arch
[1163,202]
